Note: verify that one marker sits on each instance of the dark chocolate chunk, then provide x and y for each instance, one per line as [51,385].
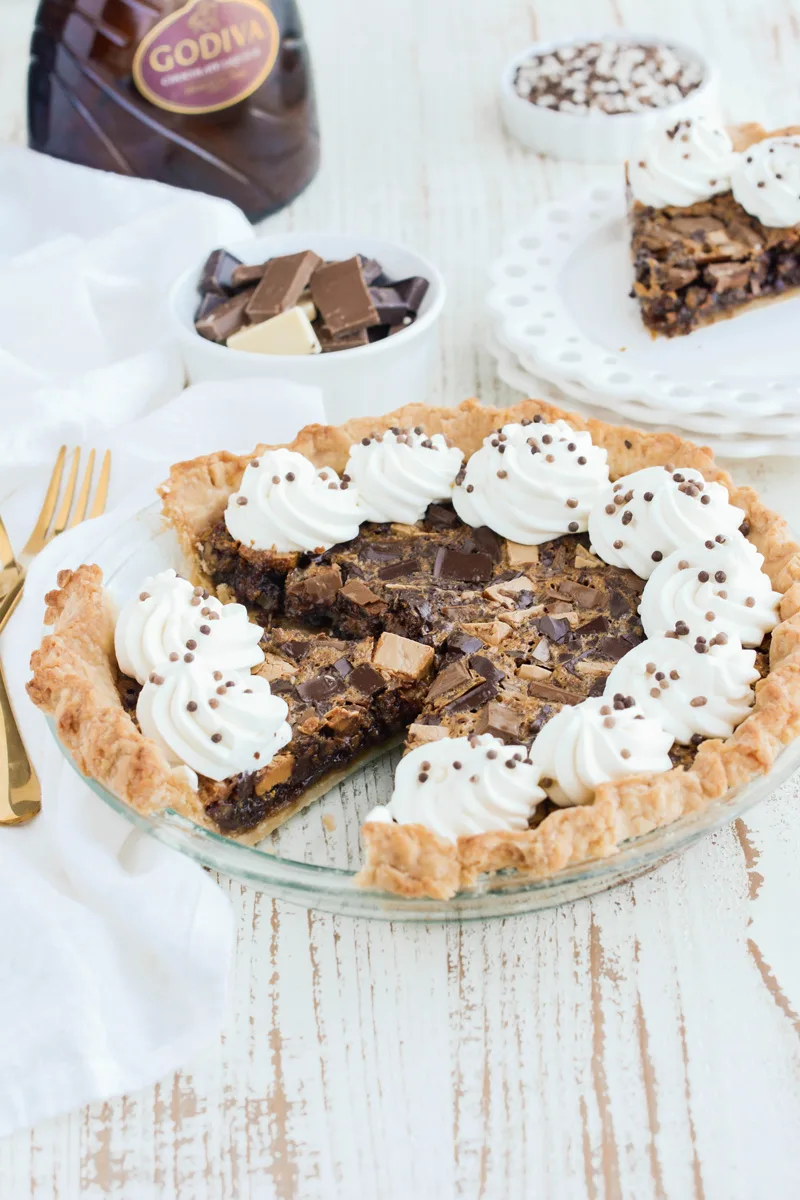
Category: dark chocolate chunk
[474,699]
[441,516]
[341,297]
[357,591]
[598,687]
[553,628]
[389,305]
[343,667]
[281,687]
[244,275]
[210,301]
[366,679]
[499,720]
[618,605]
[463,643]
[456,564]
[217,272]
[372,553]
[371,269]
[226,319]
[345,341]
[614,647]
[489,542]
[296,650]
[549,691]
[377,333]
[412,290]
[596,625]
[281,285]
[455,675]
[486,668]
[326,684]
[398,569]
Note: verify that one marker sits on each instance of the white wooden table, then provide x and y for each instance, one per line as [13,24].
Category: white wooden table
[645,1043]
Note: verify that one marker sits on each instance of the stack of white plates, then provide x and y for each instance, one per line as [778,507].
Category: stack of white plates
[563,323]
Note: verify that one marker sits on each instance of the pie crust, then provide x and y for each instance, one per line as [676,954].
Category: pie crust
[74,671]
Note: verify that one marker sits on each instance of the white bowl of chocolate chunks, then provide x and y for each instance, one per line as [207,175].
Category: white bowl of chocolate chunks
[354,316]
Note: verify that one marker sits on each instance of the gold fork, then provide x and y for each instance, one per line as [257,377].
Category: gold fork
[20,794]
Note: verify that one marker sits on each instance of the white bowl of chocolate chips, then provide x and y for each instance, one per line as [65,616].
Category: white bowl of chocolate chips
[354,316]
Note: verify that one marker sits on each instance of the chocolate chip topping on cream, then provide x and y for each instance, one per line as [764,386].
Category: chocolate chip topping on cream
[639,520]
[694,685]
[398,473]
[531,482]
[719,586]
[286,504]
[457,787]
[595,742]
[683,164]
[169,618]
[219,723]
[766,181]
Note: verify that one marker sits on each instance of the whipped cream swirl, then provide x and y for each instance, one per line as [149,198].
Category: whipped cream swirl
[682,164]
[169,618]
[643,517]
[219,723]
[766,181]
[397,474]
[694,686]
[716,587]
[595,742]
[457,787]
[532,482]
[285,504]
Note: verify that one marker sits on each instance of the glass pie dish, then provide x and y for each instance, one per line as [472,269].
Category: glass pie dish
[313,860]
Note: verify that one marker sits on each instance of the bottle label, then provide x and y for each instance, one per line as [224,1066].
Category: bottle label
[207,56]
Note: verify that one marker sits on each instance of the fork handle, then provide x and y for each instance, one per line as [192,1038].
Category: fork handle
[20,793]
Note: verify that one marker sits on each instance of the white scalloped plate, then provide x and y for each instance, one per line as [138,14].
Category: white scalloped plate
[511,371]
[560,302]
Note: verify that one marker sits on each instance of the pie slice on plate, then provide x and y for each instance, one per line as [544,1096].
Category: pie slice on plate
[581,632]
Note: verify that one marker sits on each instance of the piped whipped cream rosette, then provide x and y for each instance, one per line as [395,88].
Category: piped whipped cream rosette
[694,686]
[715,587]
[642,518]
[284,503]
[598,741]
[766,181]
[397,474]
[169,618]
[457,787]
[218,723]
[682,164]
[531,482]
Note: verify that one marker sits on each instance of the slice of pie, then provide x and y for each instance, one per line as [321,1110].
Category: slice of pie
[715,223]
[563,619]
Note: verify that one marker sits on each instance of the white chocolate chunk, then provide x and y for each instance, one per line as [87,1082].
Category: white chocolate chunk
[288,333]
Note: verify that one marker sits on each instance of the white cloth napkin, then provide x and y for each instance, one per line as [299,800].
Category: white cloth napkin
[115,950]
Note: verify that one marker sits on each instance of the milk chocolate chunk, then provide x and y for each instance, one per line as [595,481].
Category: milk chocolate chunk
[456,675]
[498,720]
[344,341]
[217,274]
[341,297]
[321,586]
[281,285]
[357,591]
[225,320]
[243,275]
[366,679]
[457,564]
[402,655]
[549,691]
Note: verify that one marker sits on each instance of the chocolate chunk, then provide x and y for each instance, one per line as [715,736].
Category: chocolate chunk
[725,276]
[412,291]
[217,273]
[500,721]
[399,569]
[210,302]
[584,597]
[281,687]
[463,643]
[345,341]
[341,297]
[553,628]
[615,647]
[281,284]
[371,269]
[377,333]
[389,305]
[244,275]
[596,625]
[549,691]
[489,542]
[598,687]
[618,605]
[226,319]
[366,679]
[456,564]
[485,667]
[326,684]
[372,553]
[455,675]
[296,650]
[441,516]
[320,585]
[357,591]
[473,699]
[343,667]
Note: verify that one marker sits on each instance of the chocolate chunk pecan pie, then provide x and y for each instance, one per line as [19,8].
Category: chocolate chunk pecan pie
[564,621]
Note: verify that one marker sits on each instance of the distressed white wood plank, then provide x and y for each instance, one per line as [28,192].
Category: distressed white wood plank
[644,1043]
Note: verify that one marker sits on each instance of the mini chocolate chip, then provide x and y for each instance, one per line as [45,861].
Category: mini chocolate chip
[655,693]
[191,706]
[205,629]
[581,461]
[502,474]
[174,657]
[157,679]
[609,722]
[474,778]
[276,478]
[255,462]
[750,601]
[720,576]
[710,616]
[618,544]
[681,628]
[241,499]
[422,777]
[659,675]
[571,446]
[510,763]
[573,527]
[221,690]
[656,556]
[720,538]
[549,458]
[674,675]
[572,502]
[290,476]
[546,438]
[470,488]
[650,668]
[683,565]
[493,753]
[144,595]
[610,509]
[216,737]
[218,675]
[648,496]
[703,576]
[709,545]
[705,499]
[627,517]
[456,765]
[188,658]
[624,753]
[698,701]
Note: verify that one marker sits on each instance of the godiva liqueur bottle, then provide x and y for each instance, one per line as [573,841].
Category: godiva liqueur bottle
[213,95]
